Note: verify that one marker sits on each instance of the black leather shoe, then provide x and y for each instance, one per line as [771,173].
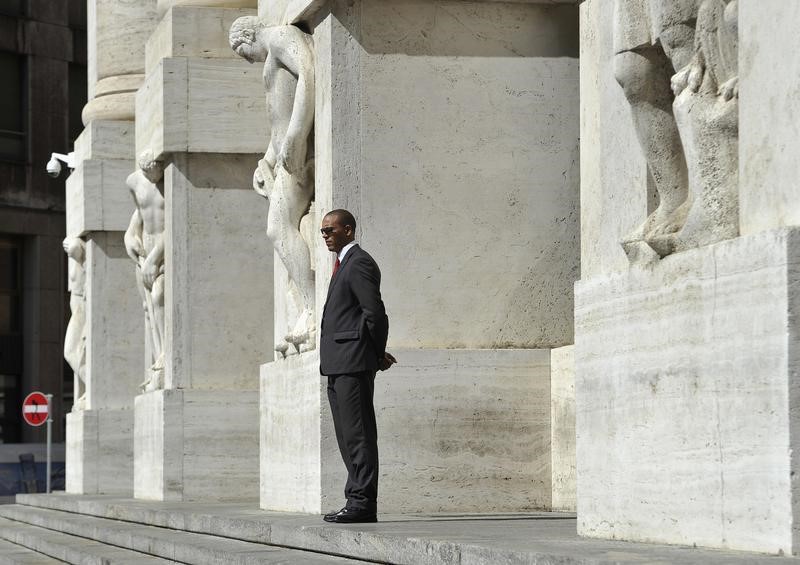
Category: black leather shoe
[332,514]
[351,516]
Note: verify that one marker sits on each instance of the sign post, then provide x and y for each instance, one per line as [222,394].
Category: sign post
[36,411]
[49,438]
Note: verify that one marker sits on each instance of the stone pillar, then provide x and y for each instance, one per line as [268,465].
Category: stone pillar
[116,36]
[201,111]
[686,365]
[99,428]
[479,141]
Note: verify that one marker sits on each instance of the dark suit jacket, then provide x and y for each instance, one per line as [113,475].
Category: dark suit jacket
[354,323]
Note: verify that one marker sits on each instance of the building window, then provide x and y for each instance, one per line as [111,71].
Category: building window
[77,99]
[11,7]
[12,107]
[10,338]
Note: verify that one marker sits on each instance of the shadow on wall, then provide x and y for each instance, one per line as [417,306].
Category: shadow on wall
[454,28]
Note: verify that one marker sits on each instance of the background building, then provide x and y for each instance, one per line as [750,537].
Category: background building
[43,75]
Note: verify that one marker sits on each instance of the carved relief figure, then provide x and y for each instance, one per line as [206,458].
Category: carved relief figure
[659,44]
[75,339]
[285,175]
[707,112]
[144,242]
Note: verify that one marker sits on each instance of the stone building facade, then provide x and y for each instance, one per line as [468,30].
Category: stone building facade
[586,241]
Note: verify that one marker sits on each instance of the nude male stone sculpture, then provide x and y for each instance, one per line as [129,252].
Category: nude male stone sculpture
[285,175]
[75,338]
[658,45]
[144,242]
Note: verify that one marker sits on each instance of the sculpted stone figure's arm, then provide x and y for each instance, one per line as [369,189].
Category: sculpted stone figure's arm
[263,178]
[291,48]
[133,237]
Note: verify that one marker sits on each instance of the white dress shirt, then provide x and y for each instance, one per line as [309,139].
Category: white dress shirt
[344,251]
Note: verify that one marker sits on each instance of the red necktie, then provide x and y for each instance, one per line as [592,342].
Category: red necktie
[335,267]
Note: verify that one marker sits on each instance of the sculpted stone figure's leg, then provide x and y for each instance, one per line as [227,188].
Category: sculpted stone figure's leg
[152,331]
[706,109]
[75,349]
[75,339]
[653,38]
[147,321]
[263,183]
[289,202]
[157,313]
[645,79]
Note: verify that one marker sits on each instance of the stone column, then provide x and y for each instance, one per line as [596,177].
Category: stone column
[686,365]
[201,112]
[100,426]
[116,36]
[479,142]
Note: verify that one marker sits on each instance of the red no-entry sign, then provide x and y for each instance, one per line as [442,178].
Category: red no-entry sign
[35,409]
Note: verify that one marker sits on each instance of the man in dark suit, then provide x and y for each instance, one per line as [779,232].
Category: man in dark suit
[352,348]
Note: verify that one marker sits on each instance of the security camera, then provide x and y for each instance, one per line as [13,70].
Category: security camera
[53,167]
[54,164]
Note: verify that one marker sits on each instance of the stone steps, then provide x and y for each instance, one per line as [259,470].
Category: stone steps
[47,546]
[13,554]
[85,539]
[194,531]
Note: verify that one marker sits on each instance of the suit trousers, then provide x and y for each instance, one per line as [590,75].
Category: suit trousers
[350,397]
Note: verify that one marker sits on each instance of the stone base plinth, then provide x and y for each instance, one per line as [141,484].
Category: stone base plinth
[562,408]
[298,446]
[687,400]
[99,454]
[458,431]
[196,445]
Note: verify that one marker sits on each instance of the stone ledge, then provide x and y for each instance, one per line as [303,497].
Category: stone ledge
[106,139]
[97,197]
[197,105]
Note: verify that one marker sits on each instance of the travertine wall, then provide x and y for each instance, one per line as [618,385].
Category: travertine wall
[219,274]
[683,382]
[165,5]
[769,116]
[114,346]
[465,431]
[613,168]
[464,174]
[562,427]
